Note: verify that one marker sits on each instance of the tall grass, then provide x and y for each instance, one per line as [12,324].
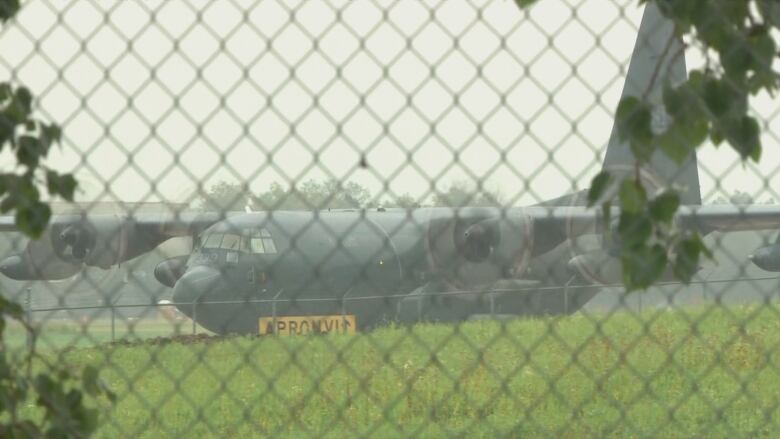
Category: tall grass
[706,373]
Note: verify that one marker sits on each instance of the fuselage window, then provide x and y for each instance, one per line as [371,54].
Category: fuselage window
[231,242]
[213,241]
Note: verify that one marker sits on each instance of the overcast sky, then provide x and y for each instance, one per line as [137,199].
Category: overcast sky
[156,97]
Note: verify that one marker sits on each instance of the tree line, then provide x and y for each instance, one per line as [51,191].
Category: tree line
[333,194]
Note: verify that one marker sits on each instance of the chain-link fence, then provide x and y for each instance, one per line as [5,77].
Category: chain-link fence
[367,218]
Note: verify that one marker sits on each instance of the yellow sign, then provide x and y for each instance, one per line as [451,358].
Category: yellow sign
[297,325]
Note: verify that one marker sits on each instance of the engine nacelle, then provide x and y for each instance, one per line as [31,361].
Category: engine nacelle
[67,246]
[767,258]
[21,267]
[598,267]
[479,246]
[170,270]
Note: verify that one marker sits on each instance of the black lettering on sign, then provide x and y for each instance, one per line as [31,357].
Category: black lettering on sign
[289,325]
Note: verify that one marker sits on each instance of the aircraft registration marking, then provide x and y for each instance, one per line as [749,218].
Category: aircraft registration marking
[298,325]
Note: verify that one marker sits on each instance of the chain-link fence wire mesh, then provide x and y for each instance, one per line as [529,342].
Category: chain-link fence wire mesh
[369,139]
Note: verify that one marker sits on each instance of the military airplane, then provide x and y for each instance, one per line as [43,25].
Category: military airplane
[335,270]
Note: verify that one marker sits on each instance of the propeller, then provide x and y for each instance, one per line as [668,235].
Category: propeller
[476,247]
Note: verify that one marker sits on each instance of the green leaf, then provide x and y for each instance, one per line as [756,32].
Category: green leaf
[18,110]
[736,58]
[11,309]
[5,91]
[744,136]
[6,130]
[632,196]
[634,123]
[770,10]
[8,204]
[23,187]
[687,254]
[643,266]
[63,185]
[762,49]
[24,98]
[634,229]
[52,132]
[683,137]
[663,207]
[724,98]
[29,151]
[683,102]
[8,8]
[597,186]
[32,219]
[716,136]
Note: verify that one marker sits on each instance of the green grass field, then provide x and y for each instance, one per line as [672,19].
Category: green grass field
[703,373]
[54,335]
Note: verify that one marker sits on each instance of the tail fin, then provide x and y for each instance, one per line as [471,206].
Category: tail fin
[652,43]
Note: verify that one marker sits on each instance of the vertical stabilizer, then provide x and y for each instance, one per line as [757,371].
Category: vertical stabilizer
[655,41]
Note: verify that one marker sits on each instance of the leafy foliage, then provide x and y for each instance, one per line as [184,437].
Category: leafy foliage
[30,140]
[57,391]
[332,194]
[223,196]
[404,200]
[460,193]
[736,38]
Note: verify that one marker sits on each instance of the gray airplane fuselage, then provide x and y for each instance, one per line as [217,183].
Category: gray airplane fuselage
[378,265]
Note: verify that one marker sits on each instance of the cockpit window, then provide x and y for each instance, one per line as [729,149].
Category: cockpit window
[257,245]
[256,241]
[269,245]
[261,242]
[231,242]
[213,241]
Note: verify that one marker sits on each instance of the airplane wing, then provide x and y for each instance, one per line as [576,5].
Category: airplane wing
[169,223]
[178,223]
[571,220]
[731,218]
[580,220]
[72,240]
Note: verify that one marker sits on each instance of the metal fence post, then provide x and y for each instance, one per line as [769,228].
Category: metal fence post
[194,316]
[113,323]
[566,295]
[28,311]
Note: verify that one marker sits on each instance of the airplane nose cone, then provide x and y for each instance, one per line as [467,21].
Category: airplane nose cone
[13,267]
[194,284]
